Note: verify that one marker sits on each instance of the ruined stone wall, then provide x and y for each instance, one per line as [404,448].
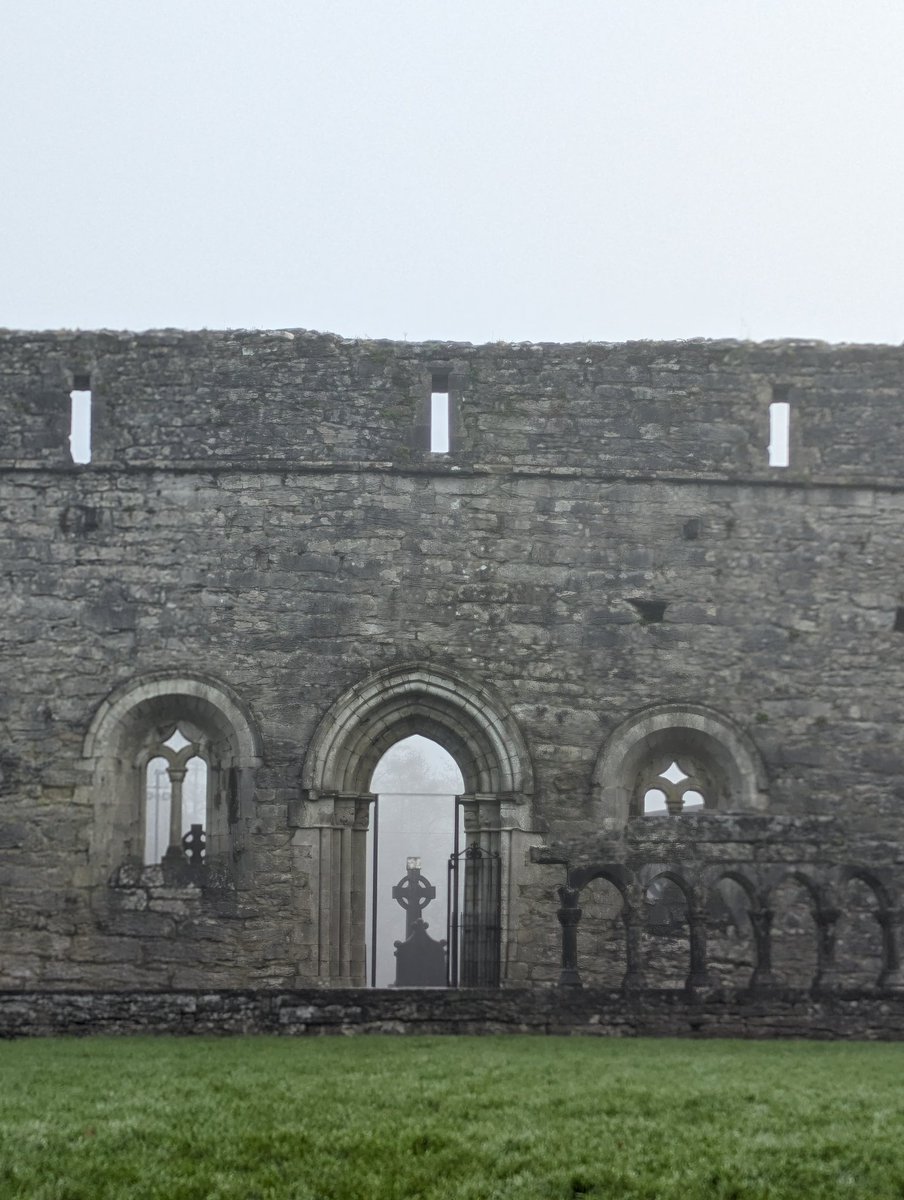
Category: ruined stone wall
[313,1013]
[263,509]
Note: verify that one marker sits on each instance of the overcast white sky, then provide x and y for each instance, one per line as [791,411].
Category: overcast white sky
[502,169]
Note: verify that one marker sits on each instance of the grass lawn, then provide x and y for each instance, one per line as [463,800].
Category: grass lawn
[527,1117]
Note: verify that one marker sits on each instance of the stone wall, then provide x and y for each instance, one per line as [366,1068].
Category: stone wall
[535,1011]
[262,513]
[272,399]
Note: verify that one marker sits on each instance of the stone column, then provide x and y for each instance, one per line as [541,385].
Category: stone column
[698,975]
[515,840]
[482,820]
[762,978]
[634,974]
[892,976]
[336,826]
[826,967]
[569,916]
[177,778]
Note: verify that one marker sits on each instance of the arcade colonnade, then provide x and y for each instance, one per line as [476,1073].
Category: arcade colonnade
[822,884]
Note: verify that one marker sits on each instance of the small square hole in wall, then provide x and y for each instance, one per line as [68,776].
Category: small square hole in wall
[899,620]
[651,612]
[439,412]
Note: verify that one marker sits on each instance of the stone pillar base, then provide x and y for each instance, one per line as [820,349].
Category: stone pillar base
[762,983]
[826,982]
[892,981]
[700,982]
[569,978]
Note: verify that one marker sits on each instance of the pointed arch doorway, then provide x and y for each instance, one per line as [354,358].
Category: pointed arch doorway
[334,809]
[412,829]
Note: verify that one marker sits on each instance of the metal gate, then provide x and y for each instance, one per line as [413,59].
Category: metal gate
[475,917]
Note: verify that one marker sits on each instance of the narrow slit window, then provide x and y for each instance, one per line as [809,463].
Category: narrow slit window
[779,429]
[80,419]
[439,414]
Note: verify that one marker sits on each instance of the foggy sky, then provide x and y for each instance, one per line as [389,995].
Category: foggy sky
[509,169]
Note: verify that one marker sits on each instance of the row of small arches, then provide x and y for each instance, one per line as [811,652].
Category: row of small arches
[834,929]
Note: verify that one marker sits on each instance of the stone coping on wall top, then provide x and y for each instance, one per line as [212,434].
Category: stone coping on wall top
[174,336]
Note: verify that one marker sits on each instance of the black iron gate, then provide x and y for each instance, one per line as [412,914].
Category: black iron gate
[473,914]
[475,917]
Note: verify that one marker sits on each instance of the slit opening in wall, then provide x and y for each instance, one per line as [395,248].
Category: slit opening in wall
[779,428]
[439,413]
[80,419]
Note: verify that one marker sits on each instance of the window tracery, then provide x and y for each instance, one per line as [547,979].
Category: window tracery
[143,735]
[176,794]
[676,789]
[722,764]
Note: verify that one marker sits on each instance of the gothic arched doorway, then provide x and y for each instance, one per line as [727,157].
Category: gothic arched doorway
[334,811]
[412,829]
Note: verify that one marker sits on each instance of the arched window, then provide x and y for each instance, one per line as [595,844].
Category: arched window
[675,772]
[677,759]
[165,753]
[176,818]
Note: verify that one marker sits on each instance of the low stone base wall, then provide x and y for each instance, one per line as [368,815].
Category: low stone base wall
[547,1011]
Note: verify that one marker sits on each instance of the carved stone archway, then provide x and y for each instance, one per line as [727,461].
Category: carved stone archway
[332,814]
[112,745]
[731,757]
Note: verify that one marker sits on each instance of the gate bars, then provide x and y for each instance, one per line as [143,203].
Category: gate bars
[474,922]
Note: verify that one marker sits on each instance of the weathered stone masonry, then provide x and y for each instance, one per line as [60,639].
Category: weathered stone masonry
[603,576]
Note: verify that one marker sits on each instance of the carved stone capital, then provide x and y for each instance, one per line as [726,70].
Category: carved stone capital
[569,916]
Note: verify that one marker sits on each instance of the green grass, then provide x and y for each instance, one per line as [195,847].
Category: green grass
[375,1118]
